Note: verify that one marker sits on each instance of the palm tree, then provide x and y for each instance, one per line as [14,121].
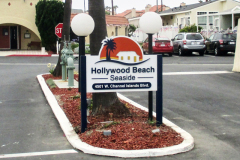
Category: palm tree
[65,32]
[103,103]
[111,46]
[115,9]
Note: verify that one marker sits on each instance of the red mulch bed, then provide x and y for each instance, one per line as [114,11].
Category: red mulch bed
[128,133]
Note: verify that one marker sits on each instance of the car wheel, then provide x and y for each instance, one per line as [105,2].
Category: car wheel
[201,53]
[225,53]
[180,51]
[206,52]
[216,51]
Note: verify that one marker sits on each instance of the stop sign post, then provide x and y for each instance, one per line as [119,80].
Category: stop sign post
[58,30]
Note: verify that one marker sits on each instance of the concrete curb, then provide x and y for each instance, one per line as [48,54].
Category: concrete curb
[76,142]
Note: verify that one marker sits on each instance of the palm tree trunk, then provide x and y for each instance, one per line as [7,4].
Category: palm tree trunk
[103,103]
[65,32]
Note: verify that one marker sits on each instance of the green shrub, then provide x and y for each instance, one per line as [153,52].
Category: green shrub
[192,28]
[48,14]
[74,45]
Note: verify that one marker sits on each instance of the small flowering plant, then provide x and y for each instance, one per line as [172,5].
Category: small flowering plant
[51,67]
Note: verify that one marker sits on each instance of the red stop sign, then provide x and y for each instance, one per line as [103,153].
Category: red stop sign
[58,30]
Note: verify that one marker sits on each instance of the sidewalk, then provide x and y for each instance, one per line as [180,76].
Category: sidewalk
[28,53]
[24,53]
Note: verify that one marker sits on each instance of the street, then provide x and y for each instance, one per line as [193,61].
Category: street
[200,95]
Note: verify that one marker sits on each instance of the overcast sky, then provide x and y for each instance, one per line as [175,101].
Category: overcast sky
[129,4]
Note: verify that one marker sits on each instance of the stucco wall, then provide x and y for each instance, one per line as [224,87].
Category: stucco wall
[24,41]
[175,20]
[135,22]
[111,30]
[236,64]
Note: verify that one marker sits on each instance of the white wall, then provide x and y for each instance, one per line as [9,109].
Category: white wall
[236,64]
[165,31]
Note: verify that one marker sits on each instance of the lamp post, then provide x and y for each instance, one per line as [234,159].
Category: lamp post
[150,23]
[82,25]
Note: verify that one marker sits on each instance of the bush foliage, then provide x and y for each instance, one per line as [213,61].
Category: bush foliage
[192,28]
[48,14]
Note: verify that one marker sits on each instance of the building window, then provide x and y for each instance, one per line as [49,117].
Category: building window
[202,21]
[5,31]
[201,13]
[182,22]
[171,17]
[212,12]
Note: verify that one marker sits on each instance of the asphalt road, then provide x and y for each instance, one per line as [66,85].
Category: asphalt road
[205,105]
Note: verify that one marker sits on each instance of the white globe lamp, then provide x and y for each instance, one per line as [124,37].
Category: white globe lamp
[150,22]
[82,24]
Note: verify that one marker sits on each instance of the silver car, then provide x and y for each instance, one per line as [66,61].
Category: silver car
[184,43]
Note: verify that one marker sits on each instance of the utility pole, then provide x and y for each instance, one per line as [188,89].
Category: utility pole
[157,6]
[161,6]
[84,7]
[112,9]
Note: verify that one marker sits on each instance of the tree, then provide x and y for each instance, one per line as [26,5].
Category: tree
[131,29]
[65,32]
[103,103]
[115,9]
[48,15]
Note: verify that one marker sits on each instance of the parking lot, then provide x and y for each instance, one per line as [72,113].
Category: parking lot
[200,95]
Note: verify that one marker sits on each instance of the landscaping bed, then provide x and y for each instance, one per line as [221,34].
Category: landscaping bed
[130,132]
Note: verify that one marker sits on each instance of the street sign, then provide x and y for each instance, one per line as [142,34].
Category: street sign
[58,30]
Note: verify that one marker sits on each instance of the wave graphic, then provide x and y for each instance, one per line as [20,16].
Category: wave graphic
[123,63]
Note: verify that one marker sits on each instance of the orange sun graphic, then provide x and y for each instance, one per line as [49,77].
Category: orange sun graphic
[120,44]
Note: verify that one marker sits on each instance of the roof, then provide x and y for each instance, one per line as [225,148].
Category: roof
[154,8]
[141,12]
[186,8]
[72,15]
[116,20]
[124,13]
[111,20]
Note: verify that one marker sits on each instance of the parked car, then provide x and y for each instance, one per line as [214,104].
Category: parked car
[159,45]
[189,42]
[221,43]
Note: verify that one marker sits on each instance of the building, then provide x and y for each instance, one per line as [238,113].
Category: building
[116,26]
[212,14]
[17,24]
